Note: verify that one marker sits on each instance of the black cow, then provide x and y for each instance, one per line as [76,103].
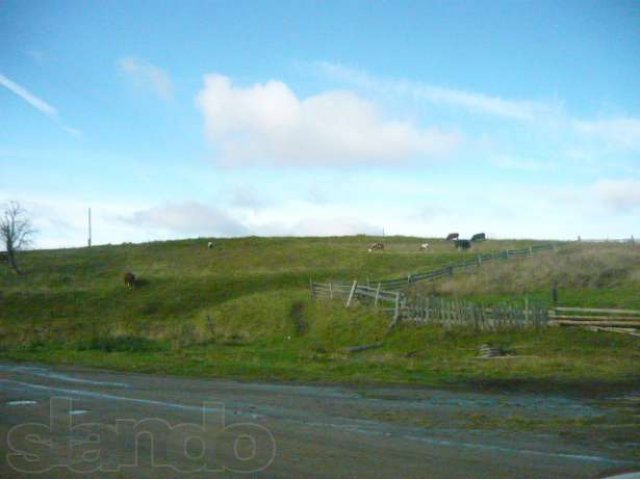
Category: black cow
[129,280]
[479,237]
[453,236]
[462,244]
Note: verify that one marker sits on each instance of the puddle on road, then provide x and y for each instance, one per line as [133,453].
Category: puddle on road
[47,373]
[14,403]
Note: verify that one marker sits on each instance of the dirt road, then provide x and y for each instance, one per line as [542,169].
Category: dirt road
[65,421]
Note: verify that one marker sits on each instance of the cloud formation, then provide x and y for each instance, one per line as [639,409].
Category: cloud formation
[619,195]
[472,101]
[550,119]
[268,123]
[620,133]
[189,218]
[37,103]
[148,77]
[29,97]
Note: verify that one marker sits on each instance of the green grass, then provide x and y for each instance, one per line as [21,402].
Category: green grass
[242,309]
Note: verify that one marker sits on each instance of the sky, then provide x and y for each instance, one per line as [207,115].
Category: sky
[185,119]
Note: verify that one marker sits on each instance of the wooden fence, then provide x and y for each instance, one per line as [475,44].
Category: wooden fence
[434,310]
[616,320]
[449,270]
[458,313]
[355,291]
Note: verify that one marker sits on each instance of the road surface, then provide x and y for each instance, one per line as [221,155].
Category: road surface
[69,421]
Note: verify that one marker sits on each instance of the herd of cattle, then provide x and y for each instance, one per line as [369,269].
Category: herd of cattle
[459,243]
[130,280]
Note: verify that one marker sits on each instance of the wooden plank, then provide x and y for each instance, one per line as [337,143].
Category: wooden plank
[362,348]
[598,310]
[396,314]
[628,331]
[366,288]
[593,318]
[353,291]
[579,323]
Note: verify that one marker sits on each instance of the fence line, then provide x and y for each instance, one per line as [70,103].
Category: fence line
[434,310]
[449,270]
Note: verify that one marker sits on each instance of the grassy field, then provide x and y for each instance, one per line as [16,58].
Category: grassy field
[243,309]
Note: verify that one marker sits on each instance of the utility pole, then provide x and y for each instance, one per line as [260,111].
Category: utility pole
[89,241]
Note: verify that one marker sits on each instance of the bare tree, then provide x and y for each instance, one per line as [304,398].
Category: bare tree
[15,231]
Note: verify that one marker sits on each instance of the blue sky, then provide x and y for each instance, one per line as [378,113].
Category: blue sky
[192,118]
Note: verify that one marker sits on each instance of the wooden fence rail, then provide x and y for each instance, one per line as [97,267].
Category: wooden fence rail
[449,270]
[595,317]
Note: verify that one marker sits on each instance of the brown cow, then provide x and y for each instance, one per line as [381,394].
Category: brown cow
[129,280]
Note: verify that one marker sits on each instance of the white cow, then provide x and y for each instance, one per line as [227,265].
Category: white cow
[424,246]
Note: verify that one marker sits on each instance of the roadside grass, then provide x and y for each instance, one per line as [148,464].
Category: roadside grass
[243,310]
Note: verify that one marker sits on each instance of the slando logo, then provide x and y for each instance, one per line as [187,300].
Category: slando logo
[207,446]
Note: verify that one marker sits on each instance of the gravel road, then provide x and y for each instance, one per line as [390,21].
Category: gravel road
[69,421]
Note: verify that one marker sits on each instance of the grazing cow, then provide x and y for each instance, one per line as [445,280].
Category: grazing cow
[129,280]
[424,246]
[210,245]
[462,244]
[376,246]
[479,237]
[453,236]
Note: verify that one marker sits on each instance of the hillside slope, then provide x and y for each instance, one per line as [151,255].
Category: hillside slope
[243,309]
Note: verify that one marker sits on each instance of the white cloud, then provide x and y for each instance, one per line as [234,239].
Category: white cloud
[37,103]
[29,97]
[619,133]
[619,195]
[472,101]
[268,123]
[188,218]
[148,76]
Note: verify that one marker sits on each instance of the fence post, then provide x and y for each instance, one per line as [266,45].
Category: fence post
[396,314]
[531,251]
[352,293]
[375,303]
[311,286]
[331,290]
[526,311]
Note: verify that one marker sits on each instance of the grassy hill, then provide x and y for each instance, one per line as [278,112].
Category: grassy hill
[243,309]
